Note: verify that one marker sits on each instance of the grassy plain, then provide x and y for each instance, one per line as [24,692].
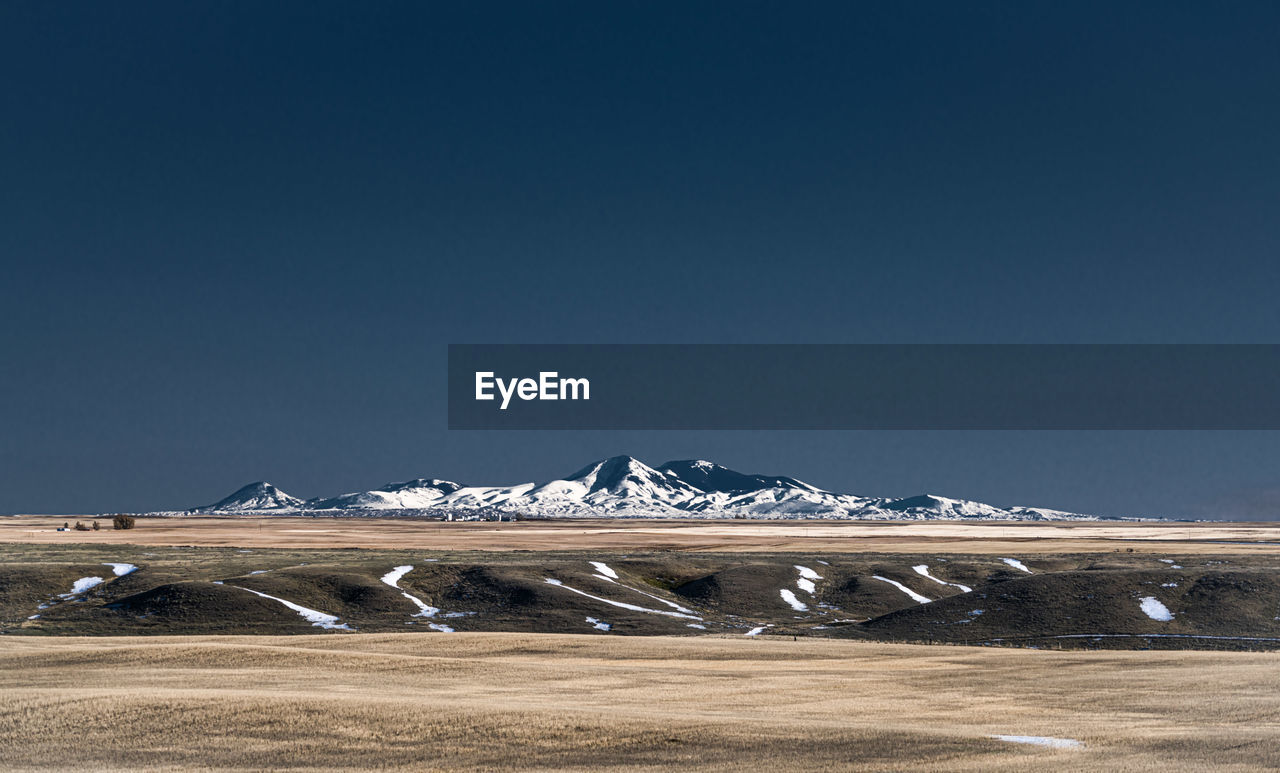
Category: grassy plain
[615,535]
[493,700]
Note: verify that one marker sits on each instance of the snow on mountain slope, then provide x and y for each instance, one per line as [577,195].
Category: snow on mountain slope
[419,493]
[779,502]
[622,486]
[928,503]
[709,476]
[254,497]
[486,496]
[622,477]
[619,485]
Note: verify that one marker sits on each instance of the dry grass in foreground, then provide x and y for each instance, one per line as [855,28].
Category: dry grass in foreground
[484,701]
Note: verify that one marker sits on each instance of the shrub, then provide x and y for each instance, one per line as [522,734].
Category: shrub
[81,527]
[96,526]
[122,521]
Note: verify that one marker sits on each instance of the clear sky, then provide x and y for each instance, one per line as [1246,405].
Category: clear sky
[236,237]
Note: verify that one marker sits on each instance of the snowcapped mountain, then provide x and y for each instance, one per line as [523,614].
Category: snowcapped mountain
[709,476]
[255,497]
[620,485]
[413,494]
[941,506]
[626,487]
[623,477]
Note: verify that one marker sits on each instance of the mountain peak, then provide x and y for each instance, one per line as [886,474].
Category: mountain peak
[931,503]
[444,486]
[411,494]
[709,476]
[625,475]
[611,465]
[259,495]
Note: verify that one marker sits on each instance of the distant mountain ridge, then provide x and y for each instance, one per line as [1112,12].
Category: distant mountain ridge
[623,486]
[709,476]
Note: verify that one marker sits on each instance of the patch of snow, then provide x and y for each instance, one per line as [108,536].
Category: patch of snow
[442,628]
[699,626]
[1016,564]
[659,599]
[121,570]
[620,604]
[317,618]
[82,585]
[604,569]
[756,631]
[393,578]
[791,599]
[1168,585]
[916,596]
[824,563]
[259,571]
[598,625]
[1041,740]
[1152,608]
[806,581]
[923,571]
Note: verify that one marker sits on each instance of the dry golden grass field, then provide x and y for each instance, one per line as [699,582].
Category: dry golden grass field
[643,535]
[490,701]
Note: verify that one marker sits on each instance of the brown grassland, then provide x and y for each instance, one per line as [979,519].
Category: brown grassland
[491,700]
[487,701]
[641,535]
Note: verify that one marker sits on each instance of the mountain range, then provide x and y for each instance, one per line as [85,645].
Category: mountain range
[622,486]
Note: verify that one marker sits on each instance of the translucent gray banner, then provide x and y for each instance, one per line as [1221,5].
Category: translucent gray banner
[822,386]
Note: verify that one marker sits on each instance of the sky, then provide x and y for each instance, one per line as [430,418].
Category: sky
[236,237]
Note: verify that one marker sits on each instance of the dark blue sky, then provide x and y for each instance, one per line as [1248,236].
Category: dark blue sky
[236,237]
